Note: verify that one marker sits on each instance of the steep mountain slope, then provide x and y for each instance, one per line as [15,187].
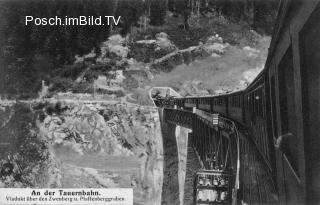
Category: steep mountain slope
[94,115]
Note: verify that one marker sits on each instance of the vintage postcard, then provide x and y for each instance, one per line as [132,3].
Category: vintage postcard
[159,102]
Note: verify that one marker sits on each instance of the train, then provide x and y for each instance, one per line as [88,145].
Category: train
[280,108]
[247,107]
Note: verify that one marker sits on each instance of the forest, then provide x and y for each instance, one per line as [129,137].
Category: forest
[30,54]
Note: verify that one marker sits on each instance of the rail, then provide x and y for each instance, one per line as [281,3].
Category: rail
[180,117]
[223,122]
[184,118]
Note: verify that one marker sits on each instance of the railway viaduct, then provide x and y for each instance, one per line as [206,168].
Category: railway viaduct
[253,180]
[279,140]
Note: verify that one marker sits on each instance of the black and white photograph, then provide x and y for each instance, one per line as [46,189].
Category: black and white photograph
[159,102]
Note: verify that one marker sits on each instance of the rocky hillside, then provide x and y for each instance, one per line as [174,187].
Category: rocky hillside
[92,145]
[92,124]
[227,69]
[128,67]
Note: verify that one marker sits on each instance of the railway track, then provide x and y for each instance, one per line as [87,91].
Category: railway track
[193,165]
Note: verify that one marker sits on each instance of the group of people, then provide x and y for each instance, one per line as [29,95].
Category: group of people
[161,101]
[209,195]
[214,188]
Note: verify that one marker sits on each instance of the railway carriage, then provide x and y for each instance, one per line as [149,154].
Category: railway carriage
[235,106]
[179,102]
[280,108]
[220,105]
[190,102]
[205,103]
[294,100]
[256,118]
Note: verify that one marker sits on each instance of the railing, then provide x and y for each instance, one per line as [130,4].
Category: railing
[207,131]
[254,180]
[225,123]
[179,117]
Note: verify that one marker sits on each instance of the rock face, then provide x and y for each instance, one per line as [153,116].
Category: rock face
[148,50]
[114,45]
[163,55]
[214,46]
[106,145]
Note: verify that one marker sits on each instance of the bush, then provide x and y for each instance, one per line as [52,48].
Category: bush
[92,75]
[82,88]
[117,93]
[130,82]
[60,84]
[30,149]
[72,71]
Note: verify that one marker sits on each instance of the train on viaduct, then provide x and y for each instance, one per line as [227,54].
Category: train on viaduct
[277,116]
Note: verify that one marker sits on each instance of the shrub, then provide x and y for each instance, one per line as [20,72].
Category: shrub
[72,71]
[60,84]
[85,87]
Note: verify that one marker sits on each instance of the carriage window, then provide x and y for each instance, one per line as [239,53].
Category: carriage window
[259,102]
[247,101]
[251,105]
[251,102]
[310,83]
[236,101]
[286,90]
[256,102]
[287,107]
[263,102]
[274,110]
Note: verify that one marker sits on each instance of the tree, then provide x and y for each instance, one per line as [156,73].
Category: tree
[158,11]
